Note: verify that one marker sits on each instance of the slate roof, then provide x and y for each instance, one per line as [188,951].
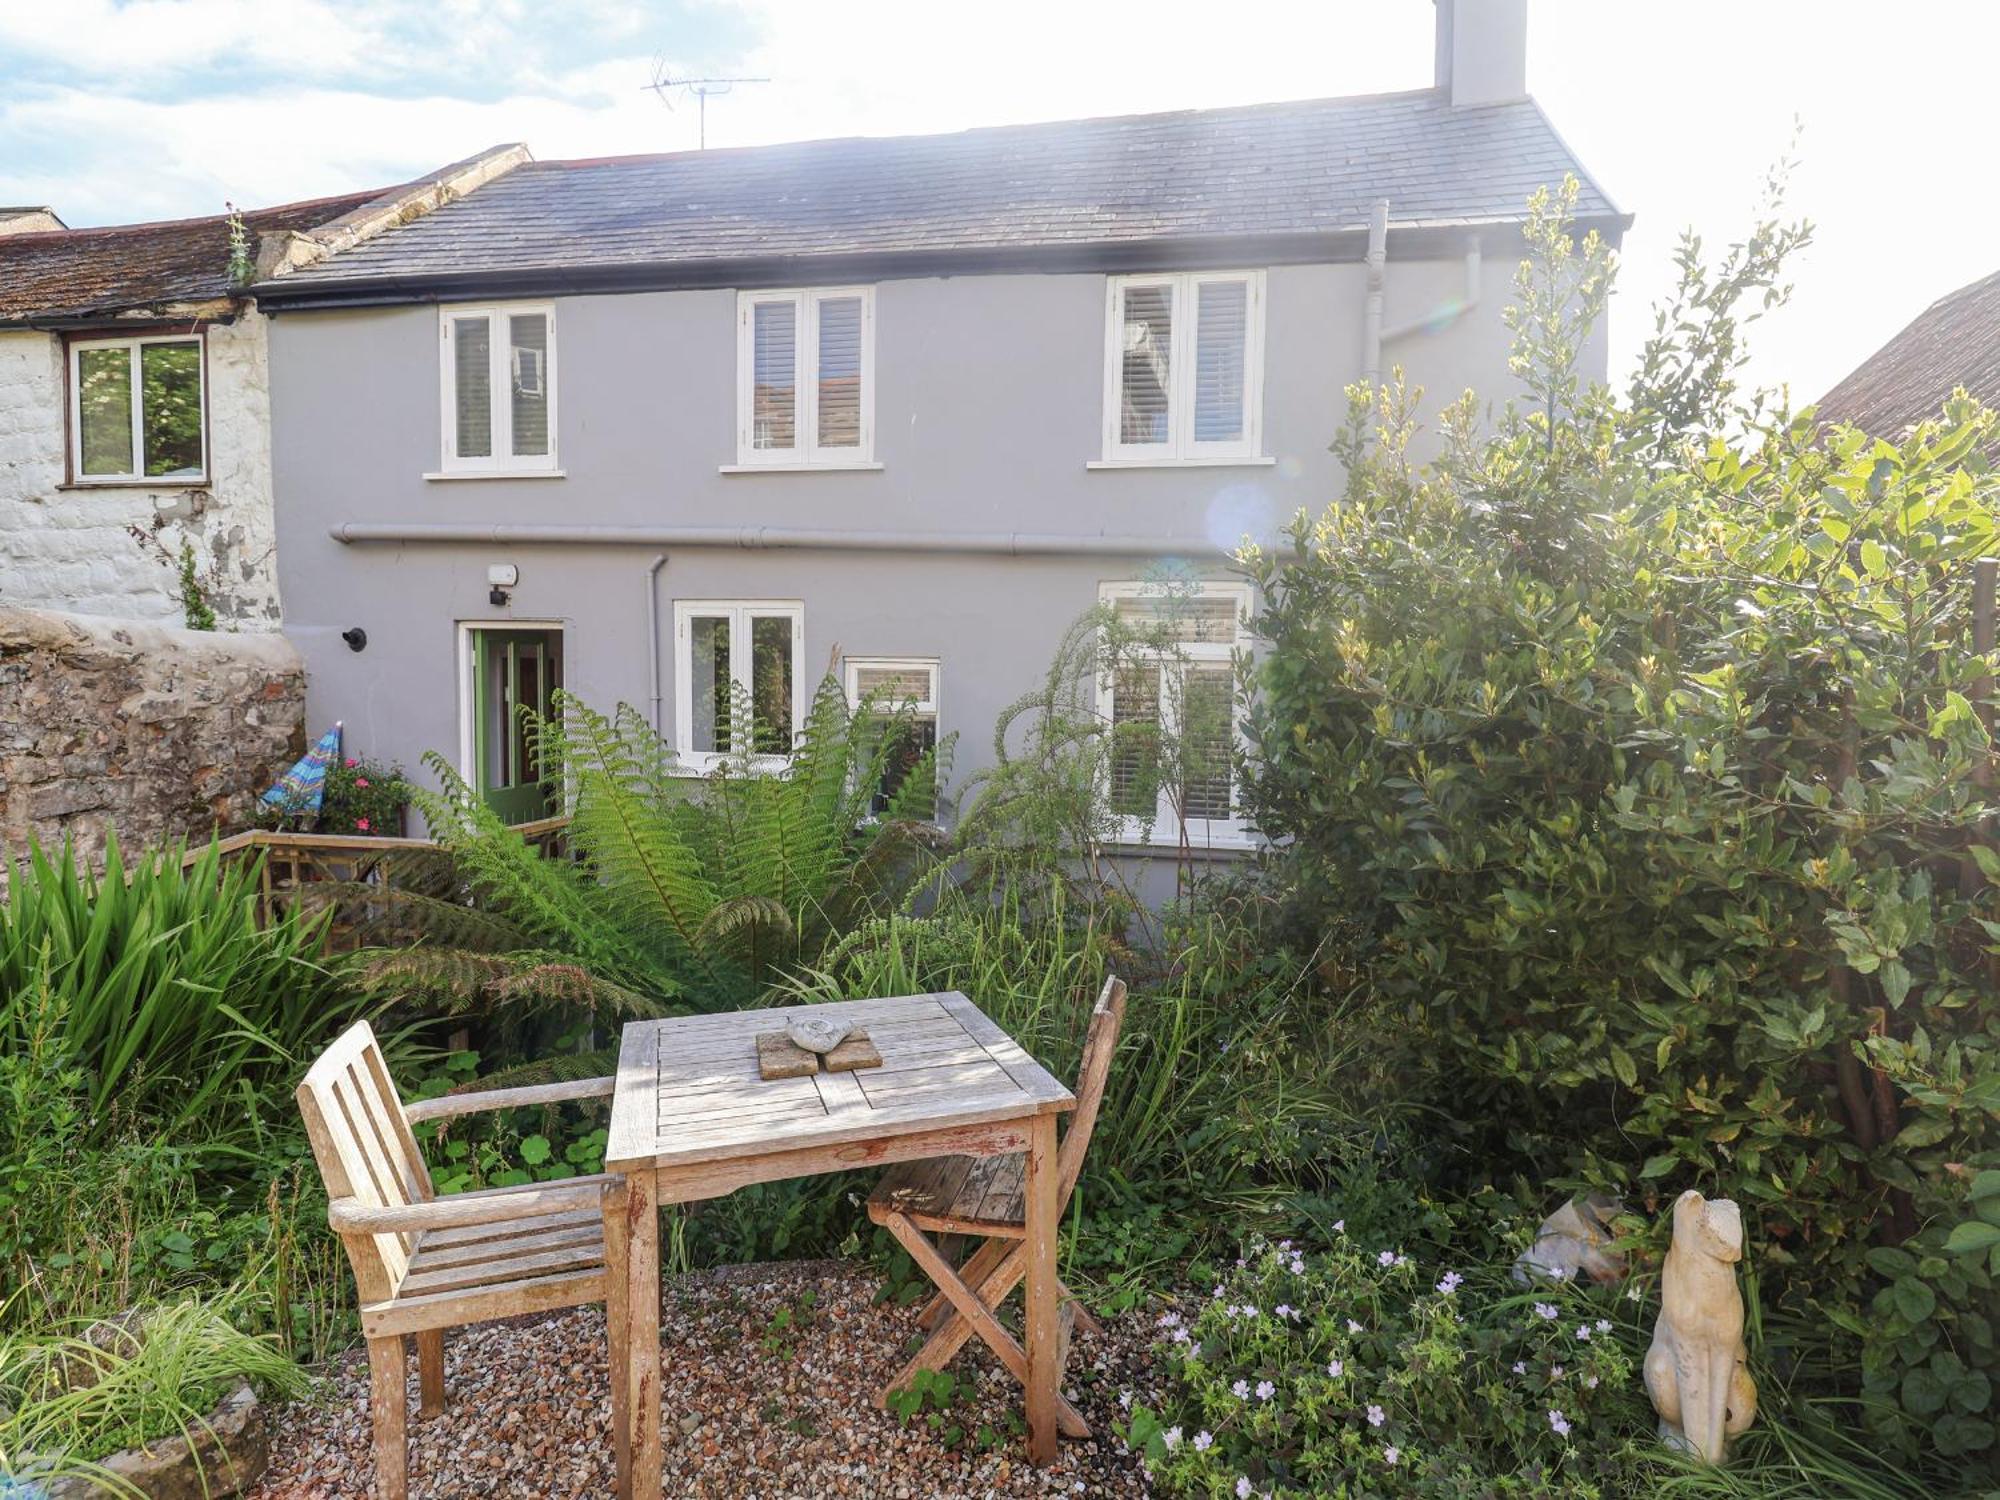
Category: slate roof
[1953,342]
[1309,167]
[73,273]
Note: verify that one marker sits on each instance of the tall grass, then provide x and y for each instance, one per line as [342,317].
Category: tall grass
[182,1009]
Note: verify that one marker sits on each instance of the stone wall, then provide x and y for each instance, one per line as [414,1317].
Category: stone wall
[71,548]
[152,730]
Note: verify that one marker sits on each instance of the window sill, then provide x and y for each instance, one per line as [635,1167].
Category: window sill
[870,468]
[454,475]
[1181,463]
[133,484]
[1232,846]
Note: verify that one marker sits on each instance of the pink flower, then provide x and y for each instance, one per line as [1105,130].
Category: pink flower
[352,763]
[362,824]
[361,781]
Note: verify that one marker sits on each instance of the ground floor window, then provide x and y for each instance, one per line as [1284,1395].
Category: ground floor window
[900,694]
[738,683]
[1168,693]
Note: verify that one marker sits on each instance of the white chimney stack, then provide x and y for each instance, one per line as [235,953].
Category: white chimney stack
[1482,51]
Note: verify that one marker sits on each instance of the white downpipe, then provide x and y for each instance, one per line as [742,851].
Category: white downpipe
[653,632]
[1371,316]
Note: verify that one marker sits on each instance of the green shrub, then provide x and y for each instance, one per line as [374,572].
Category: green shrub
[1638,778]
[1362,1371]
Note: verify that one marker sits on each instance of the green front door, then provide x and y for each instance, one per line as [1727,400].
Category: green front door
[512,670]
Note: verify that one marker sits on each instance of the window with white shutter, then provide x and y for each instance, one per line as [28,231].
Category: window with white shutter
[498,368]
[805,378]
[738,651]
[1169,698]
[1183,367]
[901,691]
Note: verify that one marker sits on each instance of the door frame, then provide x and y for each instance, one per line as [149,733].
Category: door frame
[468,734]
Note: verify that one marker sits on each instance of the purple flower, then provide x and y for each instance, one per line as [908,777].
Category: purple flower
[1451,1282]
[1583,1332]
[1390,1454]
[1386,1258]
[1284,1310]
[1340,1226]
[1242,1489]
[1125,1399]
[1376,1416]
[1559,1422]
[1298,1265]
[1336,1369]
[1265,1390]
[1590,1382]
[1545,1312]
[1241,1390]
[1604,1325]
[1170,1320]
[1180,1335]
[1171,1437]
[1520,1367]
[1556,1372]
[1352,1326]
[1203,1441]
[1284,1244]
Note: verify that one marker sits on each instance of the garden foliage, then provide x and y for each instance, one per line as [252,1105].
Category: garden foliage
[1640,766]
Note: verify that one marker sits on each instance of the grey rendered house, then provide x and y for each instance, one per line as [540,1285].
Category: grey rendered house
[895,409]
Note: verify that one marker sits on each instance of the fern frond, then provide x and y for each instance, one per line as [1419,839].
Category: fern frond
[564,1067]
[385,915]
[448,979]
[736,914]
[538,982]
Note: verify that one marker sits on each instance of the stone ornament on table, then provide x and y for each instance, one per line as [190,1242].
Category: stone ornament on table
[817,1034]
[1696,1369]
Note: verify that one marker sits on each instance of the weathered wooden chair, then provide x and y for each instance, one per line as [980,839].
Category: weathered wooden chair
[424,1264]
[985,1198]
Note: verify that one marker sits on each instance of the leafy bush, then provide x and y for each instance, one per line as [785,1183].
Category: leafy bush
[1360,1371]
[1640,776]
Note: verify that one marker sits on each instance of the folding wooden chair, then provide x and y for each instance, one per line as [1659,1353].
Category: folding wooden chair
[985,1197]
[424,1264]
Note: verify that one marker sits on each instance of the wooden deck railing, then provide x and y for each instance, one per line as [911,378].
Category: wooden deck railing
[295,862]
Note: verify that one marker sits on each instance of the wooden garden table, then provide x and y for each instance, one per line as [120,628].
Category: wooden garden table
[691,1119]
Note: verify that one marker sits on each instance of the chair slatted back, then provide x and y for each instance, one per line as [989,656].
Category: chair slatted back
[362,1141]
[1098,1046]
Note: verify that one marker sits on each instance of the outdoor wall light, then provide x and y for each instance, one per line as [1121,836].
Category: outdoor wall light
[500,578]
[356,638]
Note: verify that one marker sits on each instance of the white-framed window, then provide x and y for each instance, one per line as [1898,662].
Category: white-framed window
[907,688]
[1184,367]
[1169,695]
[137,410]
[753,645]
[497,366]
[805,378]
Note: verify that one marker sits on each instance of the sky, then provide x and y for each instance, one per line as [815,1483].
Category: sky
[121,110]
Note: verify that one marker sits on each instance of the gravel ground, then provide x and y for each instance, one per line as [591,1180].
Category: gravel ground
[754,1410]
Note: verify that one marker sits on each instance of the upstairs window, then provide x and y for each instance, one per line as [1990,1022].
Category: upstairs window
[738,686]
[499,372]
[805,378]
[1169,695]
[136,410]
[1183,367]
[900,694]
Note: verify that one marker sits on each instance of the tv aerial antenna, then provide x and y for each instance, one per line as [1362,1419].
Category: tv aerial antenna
[666,86]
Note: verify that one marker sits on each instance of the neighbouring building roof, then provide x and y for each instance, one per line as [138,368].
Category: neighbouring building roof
[981,198]
[78,273]
[1954,342]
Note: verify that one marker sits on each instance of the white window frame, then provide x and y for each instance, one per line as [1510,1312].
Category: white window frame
[806,451]
[1181,447]
[924,708]
[1164,829]
[740,613]
[132,344]
[500,385]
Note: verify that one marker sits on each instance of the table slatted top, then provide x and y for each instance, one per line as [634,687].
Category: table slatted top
[689,1090]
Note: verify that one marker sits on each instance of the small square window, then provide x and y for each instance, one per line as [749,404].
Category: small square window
[137,410]
[901,694]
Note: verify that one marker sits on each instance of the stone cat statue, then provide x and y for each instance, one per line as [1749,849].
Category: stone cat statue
[1695,1369]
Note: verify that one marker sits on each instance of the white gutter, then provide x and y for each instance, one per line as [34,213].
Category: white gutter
[760,538]
[1373,334]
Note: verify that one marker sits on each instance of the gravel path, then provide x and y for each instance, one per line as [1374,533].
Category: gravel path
[755,1408]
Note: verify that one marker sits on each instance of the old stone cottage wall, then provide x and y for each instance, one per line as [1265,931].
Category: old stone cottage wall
[153,730]
[72,549]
